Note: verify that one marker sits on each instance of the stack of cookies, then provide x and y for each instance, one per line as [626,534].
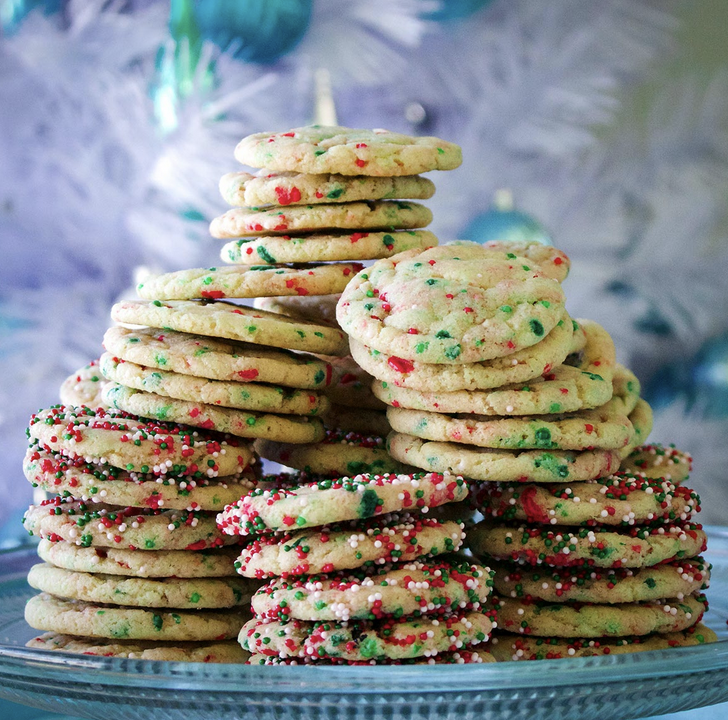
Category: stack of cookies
[134,565]
[359,572]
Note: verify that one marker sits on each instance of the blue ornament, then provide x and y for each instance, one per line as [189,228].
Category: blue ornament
[13,12]
[502,222]
[456,9]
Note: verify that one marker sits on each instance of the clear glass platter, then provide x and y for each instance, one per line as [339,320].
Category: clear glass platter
[610,687]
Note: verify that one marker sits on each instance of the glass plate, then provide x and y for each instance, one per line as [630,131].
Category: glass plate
[608,687]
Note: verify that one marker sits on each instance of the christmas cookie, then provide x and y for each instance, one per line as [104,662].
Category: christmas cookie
[318,149]
[242,189]
[132,563]
[626,390]
[464,657]
[584,620]
[658,461]
[555,263]
[352,386]
[361,640]
[68,520]
[215,652]
[216,359]
[223,393]
[411,589]
[600,547]
[346,546]
[328,501]
[324,247]
[340,453]
[84,387]
[452,304]
[314,308]
[191,593]
[596,585]
[504,465]
[248,282]
[73,617]
[362,422]
[375,215]
[641,420]
[519,367]
[125,441]
[233,322]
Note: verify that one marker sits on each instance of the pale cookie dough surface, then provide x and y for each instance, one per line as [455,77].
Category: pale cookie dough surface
[232,322]
[133,444]
[554,262]
[73,617]
[242,189]
[314,308]
[416,588]
[577,620]
[375,215]
[595,585]
[256,397]
[451,304]
[340,453]
[216,283]
[216,359]
[659,461]
[317,149]
[601,547]
[519,367]
[189,594]
[325,247]
[84,387]
[345,546]
[216,652]
[361,640]
[641,419]
[99,525]
[503,465]
[132,563]
[619,499]
[363,422]
[61,475]
[328,501]
[505,646]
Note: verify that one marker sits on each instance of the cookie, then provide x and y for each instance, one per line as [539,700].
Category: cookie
[84,386]
[66,476]
[595,585]
[641,421]
[411,589]
[346,546]
[247,282]
[583,620]
[314,308]
[505,646]
[600,547]
[191,593]
[626,388]
[232,322]
[329,501]
[464,657]
[601,428]
[242,189]
[67,520]
[127,442]
[351,386]
[325,247]
[256,397]
[293,428]
[503,465]
[317,149]
[554,262]
[216,359]
[340,453]
[519,367]
[73,617]
[658,461]
[361,422]
[132,563]
[215,652]
[451,304]
[361,640]
[374,215]
[619,499]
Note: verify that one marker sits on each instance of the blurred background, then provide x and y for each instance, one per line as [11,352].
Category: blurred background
[598,125]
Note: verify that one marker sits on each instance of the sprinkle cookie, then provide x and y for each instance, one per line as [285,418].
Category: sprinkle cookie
[232,322]
[318,149]
[641,420]
[554,263]
[451,304]
[658,461]
[464,657]
[216,359]
[242,189]
[324,502]
[325,247]
[84,387]
[314,308]
[351,386]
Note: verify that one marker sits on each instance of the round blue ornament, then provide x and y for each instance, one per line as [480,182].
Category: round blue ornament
[456,9]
